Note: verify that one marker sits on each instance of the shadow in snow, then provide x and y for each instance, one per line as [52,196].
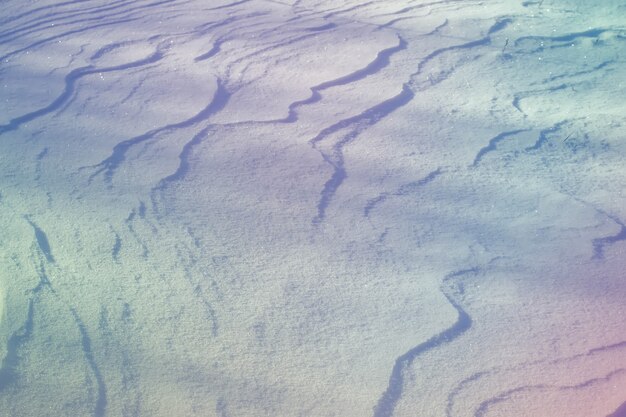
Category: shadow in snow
[17,340]
[388,401]
[620,412]
[493,142]
[118,155]
[42,241]
[70,84]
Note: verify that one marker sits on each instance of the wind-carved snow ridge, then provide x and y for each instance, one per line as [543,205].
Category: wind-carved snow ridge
[70,84]
[57,19]
[592,33]
[620,412]
[483,408]
[599,244]
[544,136]
[125,16]
[10,363]
[459,388]
[220,100]
[42,241]
[217,46]
[63,35]
[403,190]
[543,363]
[356,125]
[60,19]
[388,401]
[118,155]
[42,8]
[493,143]
[518,97]
[117,246]
[101,395]
[15,342]
[379,63]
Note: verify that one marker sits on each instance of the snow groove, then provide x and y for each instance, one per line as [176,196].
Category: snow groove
[356,125]
[599,244]
[5,57]
[381,61]
[220,100]
[493,142]
[108,166]
[101,397]
[492,371]
[620,412]
[16,341]
[484,407]
[544,135]
[70,85]
[403,190]
[24,31]
[388,401]
[459,388]
[42,241]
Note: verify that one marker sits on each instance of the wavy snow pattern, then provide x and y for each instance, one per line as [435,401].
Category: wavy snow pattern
[209,256]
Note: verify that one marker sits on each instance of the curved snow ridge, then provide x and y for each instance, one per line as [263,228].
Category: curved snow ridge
[518,97]
[208,27]
[217,47]
[499,25]
[220,100]
[109,165]
[381,61]
[8,374]
[484,41]
[591,33]
[356,125]
[42,8]
[70,85]
[403,190]
[545,134]
[476,377]
[599,244]
[196,282]
[321,28]
[101,391]
[620,412]
[5,57]
[560,76]
[390,398]
[126,17]
[459,388]
[229,5]
[484,407]
[369,117]
[55,19]
[493,143]
[42,241]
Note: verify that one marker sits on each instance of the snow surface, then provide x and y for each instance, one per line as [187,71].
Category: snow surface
[312,208]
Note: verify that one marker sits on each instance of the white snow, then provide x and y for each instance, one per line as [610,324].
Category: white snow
[312,208]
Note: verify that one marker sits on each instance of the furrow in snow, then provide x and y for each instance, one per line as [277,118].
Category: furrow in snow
[70,85]
[403,190]
[355,125]
[492,145]
[388,401]
[108,166]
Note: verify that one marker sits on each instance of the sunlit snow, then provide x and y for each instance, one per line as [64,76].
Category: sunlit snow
[312,208]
